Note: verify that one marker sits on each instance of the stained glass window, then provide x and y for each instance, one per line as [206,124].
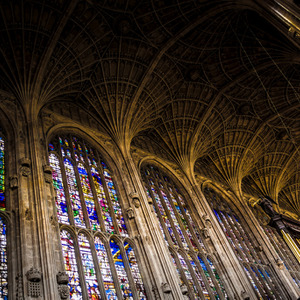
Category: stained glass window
[255,263]
[3,261]
[2,175]
[182,235]
[87,199]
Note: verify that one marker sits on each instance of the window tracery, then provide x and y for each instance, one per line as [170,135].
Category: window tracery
[182,235]
[101,262]
[254,262]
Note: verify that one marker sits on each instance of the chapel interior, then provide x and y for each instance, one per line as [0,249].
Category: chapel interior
[149,149]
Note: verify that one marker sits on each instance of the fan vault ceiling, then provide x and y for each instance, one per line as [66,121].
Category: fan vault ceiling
[212,85]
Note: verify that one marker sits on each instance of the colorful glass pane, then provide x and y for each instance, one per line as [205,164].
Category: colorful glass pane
[74,194]
[3,262]
[164,215]
[174,219]
[108,222]
[60,201]
[212,266]
[135,271]
[120,268]
[88,267]
[116,204]
[188,275]
[88,197]
[2,175]
[184,222]
[71,265]
[105,270]
[208,278]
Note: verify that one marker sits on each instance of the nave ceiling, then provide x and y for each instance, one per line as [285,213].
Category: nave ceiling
[211,85]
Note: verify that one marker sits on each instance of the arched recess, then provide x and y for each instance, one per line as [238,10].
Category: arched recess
[250,254]
[181,232]
[91,210]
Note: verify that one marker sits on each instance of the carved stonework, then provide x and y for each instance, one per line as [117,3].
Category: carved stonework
[207,221]
[155,293]
[53,220]
[205,233]
[166,288]
[279,264]
[28,215]
[13,182]
[34,277]
[184,291]
[47,173]
[19,292]
[63,289]
[245,295]
[25,166]
[135,199]
[130,213]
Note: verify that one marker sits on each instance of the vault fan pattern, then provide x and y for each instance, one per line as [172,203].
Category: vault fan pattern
[210,85]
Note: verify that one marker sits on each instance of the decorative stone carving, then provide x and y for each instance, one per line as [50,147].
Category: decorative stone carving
[279,264]
[53,220]
[13,181]
[47,173]
[64,291]
[34,277]
[25,166]
[150,200]
[205,233]
[62,279]
[19,292]
[184,291]
[166,288]
[207,221]
[130,213]
[155,293]
[135,199]
[245,295]
[28,215]
[258,248]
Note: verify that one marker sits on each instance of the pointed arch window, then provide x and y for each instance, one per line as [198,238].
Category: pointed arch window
[182,235]
[3,226]
[255,263]
[99,257]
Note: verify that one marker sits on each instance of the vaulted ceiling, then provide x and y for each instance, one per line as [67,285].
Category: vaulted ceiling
[211,85]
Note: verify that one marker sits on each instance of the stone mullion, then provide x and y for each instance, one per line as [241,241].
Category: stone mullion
[257,282]
[179,241]
[239,235]
[96,202]
[272,284]
[109,201]
[184,279]
[97,268]
[212,276]
[258,256]
[233,238]
[200,248]
[80,268]
[66,189]
[199,288]
[177,216]
[113,270]
[161,221]
[246,240]
[81,195]
[128,272]
[262,282]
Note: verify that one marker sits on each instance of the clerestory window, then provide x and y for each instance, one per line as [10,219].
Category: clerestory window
[99,256]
